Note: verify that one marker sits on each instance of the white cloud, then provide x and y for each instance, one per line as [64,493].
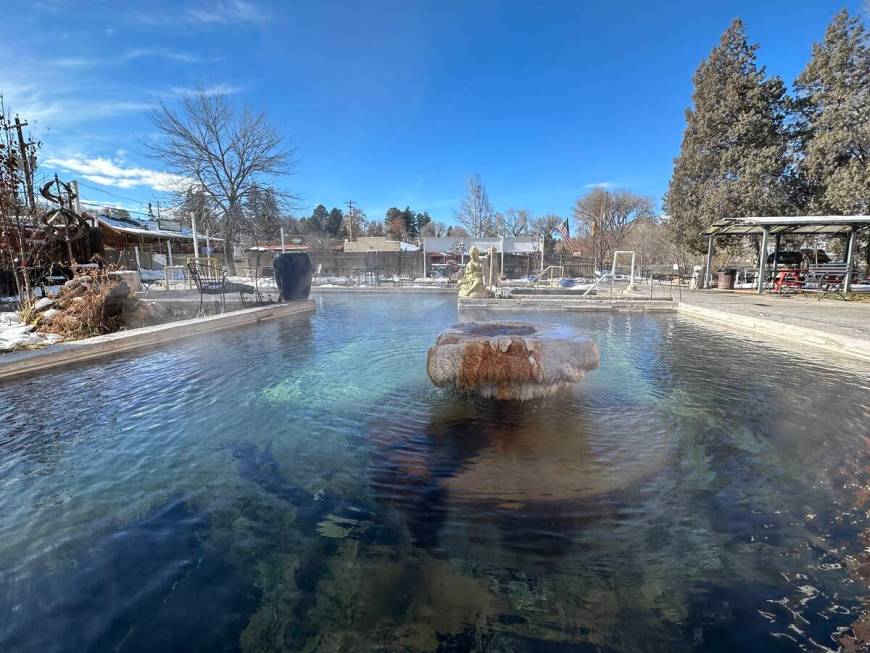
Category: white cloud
[133,55]
[602,184]
[77,62]
[215,89]
[184,57]
[114,173]
[228,12]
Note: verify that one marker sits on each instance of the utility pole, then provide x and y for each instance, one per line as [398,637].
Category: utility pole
[76,204]
[349,205]
[25,162]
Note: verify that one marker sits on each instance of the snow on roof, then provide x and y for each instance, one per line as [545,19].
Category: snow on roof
[277,247]
[510,244]
[149,228]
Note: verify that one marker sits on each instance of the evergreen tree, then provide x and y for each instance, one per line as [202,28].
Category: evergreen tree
[317,220]
[410,220]
[422,220]
[732,160]
[392,214]
[334,222]
[833,102]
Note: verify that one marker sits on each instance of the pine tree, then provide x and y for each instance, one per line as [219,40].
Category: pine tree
[410,220]
[334,222]
[317,220]
[833,101]
[733,158]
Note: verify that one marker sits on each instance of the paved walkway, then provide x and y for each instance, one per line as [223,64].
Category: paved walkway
[834,325]
[831,315]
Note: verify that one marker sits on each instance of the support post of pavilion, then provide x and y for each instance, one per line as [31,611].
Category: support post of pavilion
[776,242]
[708,273]
[762,258]
[850,260]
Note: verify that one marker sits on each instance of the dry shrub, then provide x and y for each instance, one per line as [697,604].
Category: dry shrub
[26,312]
[83,309]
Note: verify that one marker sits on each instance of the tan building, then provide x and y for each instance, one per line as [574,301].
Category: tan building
[378,244]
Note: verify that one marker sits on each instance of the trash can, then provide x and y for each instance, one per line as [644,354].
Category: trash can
[293,272]
[726,280]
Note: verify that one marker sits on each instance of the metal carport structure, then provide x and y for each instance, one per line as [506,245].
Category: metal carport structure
[846,226]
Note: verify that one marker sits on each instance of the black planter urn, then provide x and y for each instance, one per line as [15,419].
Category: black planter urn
[293,272]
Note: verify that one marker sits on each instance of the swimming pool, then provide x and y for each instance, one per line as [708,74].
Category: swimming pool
[300,485]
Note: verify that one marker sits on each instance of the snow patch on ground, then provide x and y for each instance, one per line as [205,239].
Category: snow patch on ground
[15,334]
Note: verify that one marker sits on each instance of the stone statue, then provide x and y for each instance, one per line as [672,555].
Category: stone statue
[472,283]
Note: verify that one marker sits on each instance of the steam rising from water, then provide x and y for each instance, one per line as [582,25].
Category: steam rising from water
[306,479]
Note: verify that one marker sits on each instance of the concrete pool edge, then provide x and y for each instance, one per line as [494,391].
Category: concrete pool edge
[68,353]
[562,303]
[781,331]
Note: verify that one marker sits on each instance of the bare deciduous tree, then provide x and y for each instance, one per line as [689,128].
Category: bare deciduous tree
[650,240]
[515,222]
[475,212]
[603,219]
[354,223]
[226,152]
[375,228]
[435,229]
[23,238]
[544,227]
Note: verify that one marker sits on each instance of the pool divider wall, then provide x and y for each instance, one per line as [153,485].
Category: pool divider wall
[67,353]
[568,304]
[800,338]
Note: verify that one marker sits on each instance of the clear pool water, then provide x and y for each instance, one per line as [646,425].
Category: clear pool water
[301,486]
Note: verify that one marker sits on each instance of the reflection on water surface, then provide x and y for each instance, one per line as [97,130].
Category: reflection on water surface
[301,486]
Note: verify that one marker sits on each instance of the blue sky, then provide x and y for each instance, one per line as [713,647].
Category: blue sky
[390,103]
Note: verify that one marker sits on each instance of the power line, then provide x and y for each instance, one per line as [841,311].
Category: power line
[110,194]
[103,206]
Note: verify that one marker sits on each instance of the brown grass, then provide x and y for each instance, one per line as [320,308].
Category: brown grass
[82,315]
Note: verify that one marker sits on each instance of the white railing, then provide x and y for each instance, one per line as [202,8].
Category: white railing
[547,275]
[606,275]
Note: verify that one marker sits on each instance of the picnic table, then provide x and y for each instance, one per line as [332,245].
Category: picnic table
[824,278]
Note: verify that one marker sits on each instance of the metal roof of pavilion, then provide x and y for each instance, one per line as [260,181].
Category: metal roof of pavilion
[830,225]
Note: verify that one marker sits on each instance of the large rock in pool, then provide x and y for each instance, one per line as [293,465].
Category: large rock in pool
[510,360]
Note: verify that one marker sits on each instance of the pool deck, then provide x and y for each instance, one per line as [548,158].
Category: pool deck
[837,326]
[67,353]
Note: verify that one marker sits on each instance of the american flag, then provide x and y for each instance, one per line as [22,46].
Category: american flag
[565,231]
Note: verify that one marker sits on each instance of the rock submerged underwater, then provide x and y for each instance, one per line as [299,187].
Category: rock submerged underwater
[510,360]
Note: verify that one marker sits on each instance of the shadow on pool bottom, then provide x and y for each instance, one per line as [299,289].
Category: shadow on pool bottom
[149,587]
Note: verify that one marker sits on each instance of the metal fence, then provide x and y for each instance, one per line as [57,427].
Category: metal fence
[410,264]
[385,264]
